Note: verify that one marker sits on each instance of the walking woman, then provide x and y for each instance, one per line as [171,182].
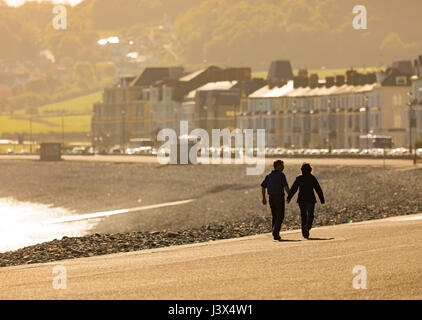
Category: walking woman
[306,183]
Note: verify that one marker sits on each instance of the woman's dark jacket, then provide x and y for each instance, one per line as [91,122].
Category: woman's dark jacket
[306,185]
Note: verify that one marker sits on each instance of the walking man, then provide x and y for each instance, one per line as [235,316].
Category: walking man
[276,183]
[306,183]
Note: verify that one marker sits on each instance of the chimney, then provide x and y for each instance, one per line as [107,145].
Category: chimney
[313,80]
[356,78]
[371,78]
[300,81]
[340,80]
[363,79]
[303,72]
[330,82]
[350,77]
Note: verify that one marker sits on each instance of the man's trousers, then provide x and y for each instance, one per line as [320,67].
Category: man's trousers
[277,209]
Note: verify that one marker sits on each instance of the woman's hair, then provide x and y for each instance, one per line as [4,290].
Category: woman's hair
[306,168]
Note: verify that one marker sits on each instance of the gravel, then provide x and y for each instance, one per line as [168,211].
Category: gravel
[227,202]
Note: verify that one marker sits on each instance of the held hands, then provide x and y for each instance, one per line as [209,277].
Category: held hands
[264,201]
[288,201]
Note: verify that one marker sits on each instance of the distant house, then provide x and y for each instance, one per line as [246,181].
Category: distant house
[416,101]
[139,106]
[5,91]
[168,96]
[301,113]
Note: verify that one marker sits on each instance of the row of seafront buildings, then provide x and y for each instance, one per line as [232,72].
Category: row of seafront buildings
[296,111]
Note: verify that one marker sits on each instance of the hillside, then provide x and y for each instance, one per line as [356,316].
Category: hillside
[311,33]
[77,118]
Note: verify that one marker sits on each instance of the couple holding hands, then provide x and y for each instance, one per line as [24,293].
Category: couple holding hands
[276,184]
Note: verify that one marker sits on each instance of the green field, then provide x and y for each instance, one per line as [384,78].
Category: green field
[81,123]
[77,117]
[79,105]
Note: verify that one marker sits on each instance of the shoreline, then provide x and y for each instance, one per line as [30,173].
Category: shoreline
[227,202]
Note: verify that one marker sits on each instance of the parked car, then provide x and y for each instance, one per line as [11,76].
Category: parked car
[400,151]
[117,150]
[78,150]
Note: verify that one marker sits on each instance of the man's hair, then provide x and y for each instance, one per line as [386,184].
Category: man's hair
[277,163]
[306,168]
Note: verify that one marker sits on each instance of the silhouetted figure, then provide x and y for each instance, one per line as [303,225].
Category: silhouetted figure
[276,183]
[306,183]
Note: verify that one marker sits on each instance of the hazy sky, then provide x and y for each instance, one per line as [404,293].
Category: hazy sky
[20,2]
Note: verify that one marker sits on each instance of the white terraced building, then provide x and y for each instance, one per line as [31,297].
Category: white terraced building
[416,105]
[332,117]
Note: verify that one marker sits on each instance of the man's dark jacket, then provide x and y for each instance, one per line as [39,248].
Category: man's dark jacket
[306,185]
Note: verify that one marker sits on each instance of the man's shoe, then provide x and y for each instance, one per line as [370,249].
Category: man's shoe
[277,238]
[305,232]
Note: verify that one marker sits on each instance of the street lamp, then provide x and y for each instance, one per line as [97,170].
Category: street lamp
[412,124]
[329,125]
[63,129]
[294,125]
[123,135]
[367,121]
[30,133]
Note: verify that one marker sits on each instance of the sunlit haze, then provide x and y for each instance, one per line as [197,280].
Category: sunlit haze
[211,149]
[17,3]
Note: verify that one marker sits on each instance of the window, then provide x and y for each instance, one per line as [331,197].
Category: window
[401,80]
[139,111]
[397,121]
[397,100]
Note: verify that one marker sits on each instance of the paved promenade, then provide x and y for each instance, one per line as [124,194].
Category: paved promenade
[249,268]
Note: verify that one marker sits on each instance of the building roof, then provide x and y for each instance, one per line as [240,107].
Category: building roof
[280,70]
[151,75]
[220,85]
[289,91]
[274,92]
[191,95]
[404,66]
[192,75]
[392,76]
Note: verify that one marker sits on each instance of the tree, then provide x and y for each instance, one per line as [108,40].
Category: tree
[2,104]
[105,70]
[37,85]
[84,71]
